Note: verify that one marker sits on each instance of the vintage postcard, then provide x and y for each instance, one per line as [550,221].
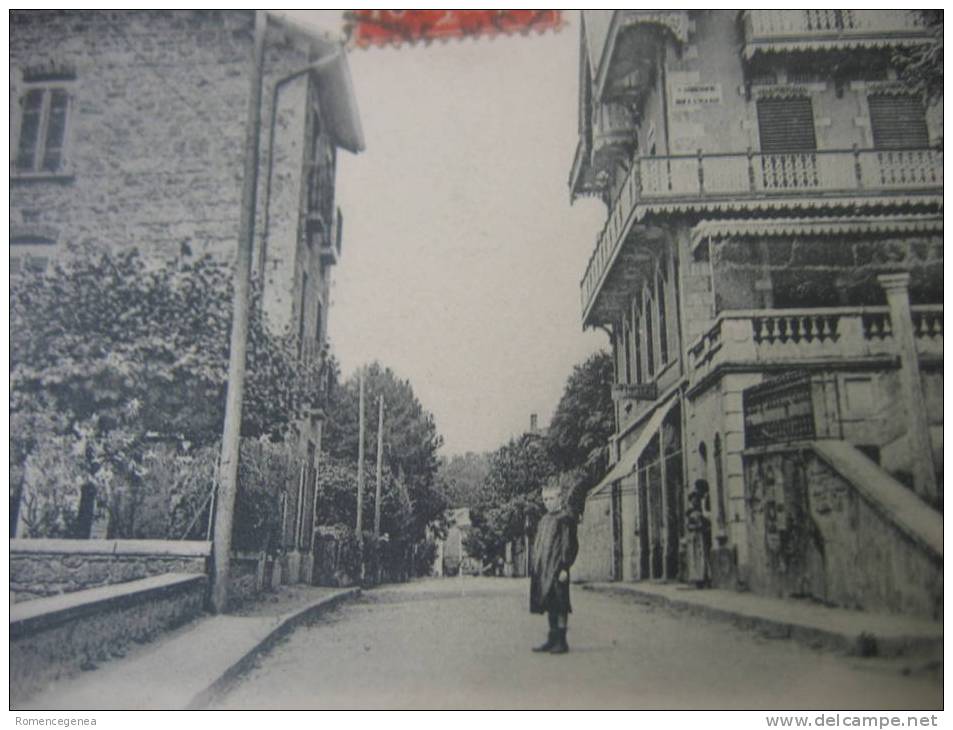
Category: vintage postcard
[477,359]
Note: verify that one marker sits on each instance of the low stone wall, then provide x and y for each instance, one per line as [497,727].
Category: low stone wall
[47,567]
[828,523]
[57,636]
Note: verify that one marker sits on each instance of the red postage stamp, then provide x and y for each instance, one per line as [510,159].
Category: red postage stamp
[392,27]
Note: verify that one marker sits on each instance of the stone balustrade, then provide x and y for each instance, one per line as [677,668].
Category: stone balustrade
[712,179]
[763,337]
[766,25]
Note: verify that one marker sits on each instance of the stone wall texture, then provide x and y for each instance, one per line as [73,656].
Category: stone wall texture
[41,568]
[86,634]
[812,533]
[594,561]
[156,126]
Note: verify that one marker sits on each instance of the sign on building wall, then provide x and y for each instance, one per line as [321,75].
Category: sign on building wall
[689,95]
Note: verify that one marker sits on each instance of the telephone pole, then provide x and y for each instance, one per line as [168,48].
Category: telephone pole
[380,466]
[228,463]
[360,461]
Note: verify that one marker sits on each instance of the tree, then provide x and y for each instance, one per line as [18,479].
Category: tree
[461,477]
[920,66]
[410,440]
[582,425]
[510,504]
[128,352]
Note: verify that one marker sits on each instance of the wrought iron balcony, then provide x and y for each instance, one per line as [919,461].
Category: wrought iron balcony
[753,180]
[808,30]
[789,338]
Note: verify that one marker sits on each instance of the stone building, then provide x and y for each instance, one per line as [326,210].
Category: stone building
[770,277]
[128,130]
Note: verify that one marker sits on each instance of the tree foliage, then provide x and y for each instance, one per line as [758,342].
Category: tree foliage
[462,476]
[411,442]
[921,66]
[510,504]
[583,423]
[128,352]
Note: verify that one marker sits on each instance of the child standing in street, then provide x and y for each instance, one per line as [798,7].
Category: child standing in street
[554,551]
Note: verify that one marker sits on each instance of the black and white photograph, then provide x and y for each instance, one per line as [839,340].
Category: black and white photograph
[477,360]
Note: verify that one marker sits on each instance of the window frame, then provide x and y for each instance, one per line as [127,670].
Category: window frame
[878,144]
[767,145]
[48,85]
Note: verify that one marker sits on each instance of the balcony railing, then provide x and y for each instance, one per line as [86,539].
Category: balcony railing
[756,176]
[810,335]
[766,26]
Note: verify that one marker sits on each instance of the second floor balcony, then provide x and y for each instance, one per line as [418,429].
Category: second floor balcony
[755,181]
[814,30]
[791,338]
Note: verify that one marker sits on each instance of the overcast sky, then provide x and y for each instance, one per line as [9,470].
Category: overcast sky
[462,256]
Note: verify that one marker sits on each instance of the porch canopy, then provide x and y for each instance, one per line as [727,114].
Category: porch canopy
[627,461]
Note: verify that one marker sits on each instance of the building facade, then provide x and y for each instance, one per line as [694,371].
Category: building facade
[128,130]
[770,277]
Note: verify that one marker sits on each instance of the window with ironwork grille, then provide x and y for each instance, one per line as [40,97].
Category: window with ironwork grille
[41,120]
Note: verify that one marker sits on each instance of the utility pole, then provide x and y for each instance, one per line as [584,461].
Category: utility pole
[360,462]
[228,463]
[380,466]
[377,495]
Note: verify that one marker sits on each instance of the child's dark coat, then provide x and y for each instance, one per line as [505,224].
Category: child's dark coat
[554,550]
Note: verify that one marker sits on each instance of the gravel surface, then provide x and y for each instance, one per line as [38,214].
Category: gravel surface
[465,643]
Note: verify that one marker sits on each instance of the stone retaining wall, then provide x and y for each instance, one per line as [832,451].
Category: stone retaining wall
[47,567]
[57,636]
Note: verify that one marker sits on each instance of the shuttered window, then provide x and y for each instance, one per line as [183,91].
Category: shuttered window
[897,121]
[42,130]
[786,125]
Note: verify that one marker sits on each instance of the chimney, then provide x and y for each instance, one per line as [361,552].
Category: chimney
[532,423]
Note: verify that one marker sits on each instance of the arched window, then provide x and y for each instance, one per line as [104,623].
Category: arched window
[627,349]
[636,346]
[649,338]
[662,324]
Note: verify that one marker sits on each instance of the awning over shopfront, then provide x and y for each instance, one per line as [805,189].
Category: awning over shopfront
[627,461]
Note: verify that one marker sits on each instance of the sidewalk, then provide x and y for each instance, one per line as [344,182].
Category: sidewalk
[855,632]
[185,668]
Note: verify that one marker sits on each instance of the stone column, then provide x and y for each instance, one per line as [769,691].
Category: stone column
[918,428]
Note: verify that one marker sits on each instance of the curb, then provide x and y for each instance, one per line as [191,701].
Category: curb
[286,625]
[862,644]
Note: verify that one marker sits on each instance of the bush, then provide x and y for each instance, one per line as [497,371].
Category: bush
[337,559]
[266,471]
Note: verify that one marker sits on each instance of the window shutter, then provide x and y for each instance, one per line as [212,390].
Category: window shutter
[55,131]
[29,128]
[786,125]
[897,121]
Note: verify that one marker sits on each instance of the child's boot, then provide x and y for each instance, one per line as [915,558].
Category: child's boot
[550,643]
[559,645]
